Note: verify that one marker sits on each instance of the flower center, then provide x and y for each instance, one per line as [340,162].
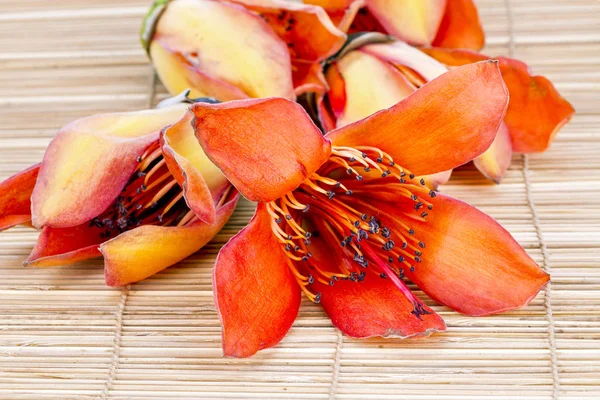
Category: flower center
[340,204]
[151,197]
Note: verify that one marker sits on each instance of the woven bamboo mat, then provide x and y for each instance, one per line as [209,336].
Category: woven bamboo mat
[64,335]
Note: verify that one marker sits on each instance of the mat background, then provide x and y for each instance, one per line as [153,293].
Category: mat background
[64,335]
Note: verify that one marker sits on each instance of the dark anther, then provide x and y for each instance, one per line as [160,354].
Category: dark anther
[418,205]
[349,171]
[362,234]
[359,178]
[289,237]
[278,221]
[352,159]
[392,164]
[138,206]
[343,243]
[291,21]
[422,181]
[430,207]
[379,159]
[338,184]
[357,223]
[296,248]
[404,245]
[418,253]
[414,197]
[422,245]
[402,174]
[400,258]
[144,187]
[373,227]
[385,173]
[367,169]
[383,275]
[160,218]
[373,218]
[424,214]
[138,190]
[311,280]
[288,217]
[331,283]
[411,232]
[307,235]
[412,268]
[288,247]
[139,159]
[318,298]
[335,278]
[411,176]
[154,205]
[330,194]
[305,209]
[349,192]
[361,276]
[432,194]
[417,259]
[304,258]
[364,217]
[390,259]
[309,254]
[419,310]
[353,278]
[402,180]
[364,155]
[307,241]
[385,232]
[288,28]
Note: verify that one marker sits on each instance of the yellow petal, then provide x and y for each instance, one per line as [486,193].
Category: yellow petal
[496,160]
[224,45]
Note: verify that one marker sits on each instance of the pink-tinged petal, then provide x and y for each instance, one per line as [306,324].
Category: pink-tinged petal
[62,246]
[414,21]
[144,251]
[470,263]
[460,27]
[224,46]
[496,160]
[400,53]
[370,85]
[308,77]
[536,110]
[305,28]
[202,182]
[436,128]
[336,96]
[434,181]
[256,295]
[89,162]
[15,197]
[375,307]
[265,147]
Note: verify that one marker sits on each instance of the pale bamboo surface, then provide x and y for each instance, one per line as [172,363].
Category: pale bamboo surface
[64,335]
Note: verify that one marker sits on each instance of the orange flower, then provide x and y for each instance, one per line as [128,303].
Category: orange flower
[342,217]
[116,185]
[239,49]
[443,23]
[374,72]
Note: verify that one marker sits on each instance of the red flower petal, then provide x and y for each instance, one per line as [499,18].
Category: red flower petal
[61,246]
[375,307]
[142,252]
[436,128]
[256,295]
[265,147]
[470,263]
[536,110]
[460,27]
[15,195]
[308,31]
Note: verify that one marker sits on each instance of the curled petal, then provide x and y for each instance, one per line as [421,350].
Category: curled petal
[439,118]
[202,182]
[15,197]
[336,96]
[308,77]
[460,27]
[225,46]
[308,31]
[142,252]
[62,246]
[536,110]
[400,53]
[496,160]
[89,162]
[256,295]
[265,147]
[470,263]
[414,21]
[370,85]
